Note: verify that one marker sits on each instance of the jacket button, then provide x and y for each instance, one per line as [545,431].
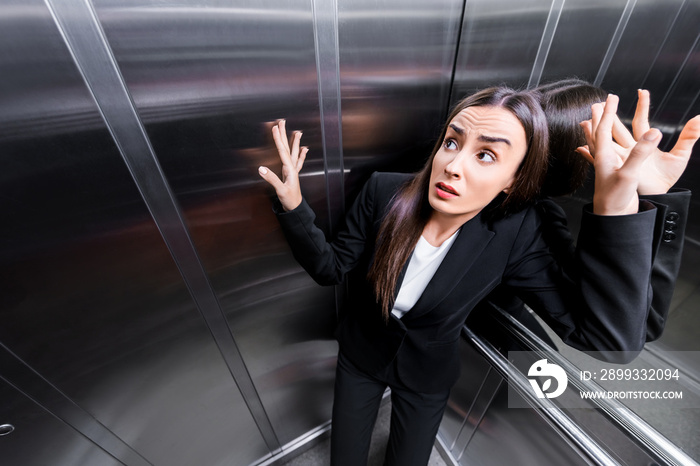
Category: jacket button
[672,216]
[669,236]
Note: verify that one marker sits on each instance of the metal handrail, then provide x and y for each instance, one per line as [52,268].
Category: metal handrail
[651,440]
[547,409]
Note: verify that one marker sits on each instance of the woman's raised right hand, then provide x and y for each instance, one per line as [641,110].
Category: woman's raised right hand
[287,189]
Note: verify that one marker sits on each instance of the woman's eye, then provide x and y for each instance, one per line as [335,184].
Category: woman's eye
[450,144]
[486,157]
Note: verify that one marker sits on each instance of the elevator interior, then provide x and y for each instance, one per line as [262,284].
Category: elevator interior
[150,310]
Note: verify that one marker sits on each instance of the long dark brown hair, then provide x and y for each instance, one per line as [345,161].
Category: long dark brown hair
[410,210]
[567,103]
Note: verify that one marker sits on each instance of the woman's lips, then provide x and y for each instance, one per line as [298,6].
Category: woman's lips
[445,191]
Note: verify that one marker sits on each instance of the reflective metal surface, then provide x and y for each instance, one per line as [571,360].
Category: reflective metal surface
[53,441]
[587,447]
[92,299]
[209,147]
[212,346]
[500,43]
[396,63]
[585,31]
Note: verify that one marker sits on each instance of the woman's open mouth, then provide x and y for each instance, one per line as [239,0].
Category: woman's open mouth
[445,191]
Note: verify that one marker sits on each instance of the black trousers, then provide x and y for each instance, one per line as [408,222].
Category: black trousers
[415,418]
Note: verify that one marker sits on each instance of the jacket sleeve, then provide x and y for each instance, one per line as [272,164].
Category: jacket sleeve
[667,248]
[328,262]
[669,235]
[598,299]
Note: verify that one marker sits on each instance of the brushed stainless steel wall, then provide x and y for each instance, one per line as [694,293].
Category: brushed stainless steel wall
[206,82]
[93,301]
[148,299]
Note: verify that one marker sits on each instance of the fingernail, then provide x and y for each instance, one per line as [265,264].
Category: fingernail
[262,170]
[652,135]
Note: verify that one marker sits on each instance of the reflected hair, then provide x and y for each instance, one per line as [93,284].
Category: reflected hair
[567,103]
[409,210]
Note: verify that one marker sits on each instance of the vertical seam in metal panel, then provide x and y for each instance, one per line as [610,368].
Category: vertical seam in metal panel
[338,96]
[329,61]
[615,41]
[319,84]
[455,60]
[325,28]
[338,289]
[550,28]
[162,203]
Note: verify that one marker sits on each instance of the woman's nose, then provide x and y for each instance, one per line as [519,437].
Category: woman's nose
[453,168]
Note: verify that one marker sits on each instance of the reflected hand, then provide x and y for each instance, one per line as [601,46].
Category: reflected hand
[663,169]
[288,189]
[616,178]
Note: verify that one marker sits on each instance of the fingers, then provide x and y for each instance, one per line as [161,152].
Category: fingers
[604,149]
[287,188]
[296,140]
[587,127]
[688,137]
[302,157]
[596,114]
[640,122]
[279,135]
[644,148]
[585,153]
[270,176]
[288,156]
[622,135]
[282,126]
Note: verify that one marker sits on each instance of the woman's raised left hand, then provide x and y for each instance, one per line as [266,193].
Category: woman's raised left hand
[663,169]
[616,180]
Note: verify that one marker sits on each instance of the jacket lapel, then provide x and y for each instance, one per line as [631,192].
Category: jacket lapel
[469,244]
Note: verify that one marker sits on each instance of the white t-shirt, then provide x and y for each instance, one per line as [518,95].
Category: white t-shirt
[423,264]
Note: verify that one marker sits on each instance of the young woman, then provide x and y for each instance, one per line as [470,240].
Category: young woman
[421,250]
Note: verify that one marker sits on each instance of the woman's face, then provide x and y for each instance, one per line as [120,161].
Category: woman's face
[479,158]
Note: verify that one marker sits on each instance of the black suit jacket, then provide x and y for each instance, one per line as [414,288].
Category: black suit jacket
[599,302]
[669,235]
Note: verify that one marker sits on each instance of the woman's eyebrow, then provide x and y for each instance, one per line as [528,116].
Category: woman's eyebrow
[482,138]
[457,129]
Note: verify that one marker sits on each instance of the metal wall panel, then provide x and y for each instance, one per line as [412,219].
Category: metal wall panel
[92,299]
[584,33]
[208,79]
[33,426]
[396,60]
[499,43]
[639,48]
